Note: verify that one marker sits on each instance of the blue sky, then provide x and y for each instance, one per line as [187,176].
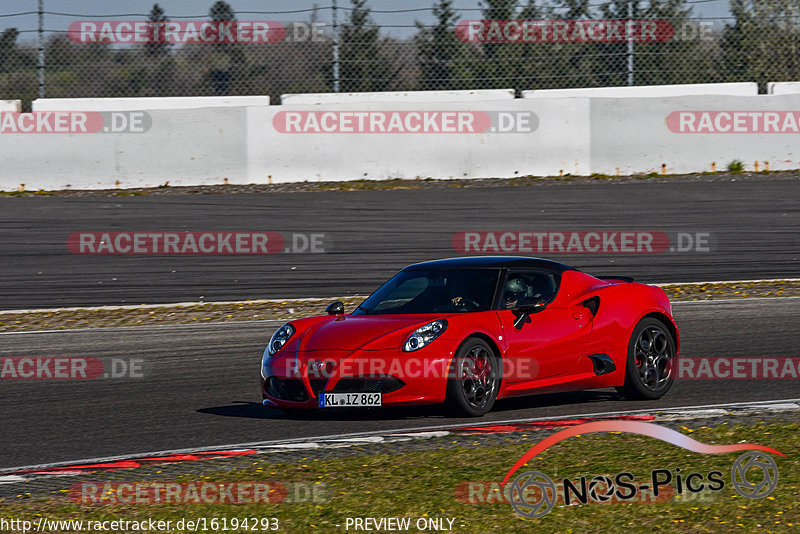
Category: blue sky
[402,23]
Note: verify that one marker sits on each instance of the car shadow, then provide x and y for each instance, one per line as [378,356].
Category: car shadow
[556,399]
[255,410]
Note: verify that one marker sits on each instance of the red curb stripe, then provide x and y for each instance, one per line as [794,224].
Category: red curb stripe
[137,462]
[517,427]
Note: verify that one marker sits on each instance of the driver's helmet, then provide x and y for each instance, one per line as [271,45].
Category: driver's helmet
[515,290]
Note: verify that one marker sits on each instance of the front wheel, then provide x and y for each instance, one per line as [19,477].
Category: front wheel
[651,357]
[474,379]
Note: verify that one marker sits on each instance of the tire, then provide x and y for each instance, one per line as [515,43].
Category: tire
[650,362]
[474,379]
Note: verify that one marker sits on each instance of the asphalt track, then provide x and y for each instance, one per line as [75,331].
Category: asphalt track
[200,387]
[754,222]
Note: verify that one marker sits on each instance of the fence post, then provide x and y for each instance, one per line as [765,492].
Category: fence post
[630,45]
[335,51]
[40,67]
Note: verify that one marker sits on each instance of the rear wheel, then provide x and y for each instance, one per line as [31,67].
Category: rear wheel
[651,356]
[474,379]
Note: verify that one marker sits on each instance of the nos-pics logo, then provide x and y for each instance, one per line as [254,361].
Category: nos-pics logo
[754,474]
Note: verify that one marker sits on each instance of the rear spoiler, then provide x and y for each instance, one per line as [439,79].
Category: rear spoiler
[622,278]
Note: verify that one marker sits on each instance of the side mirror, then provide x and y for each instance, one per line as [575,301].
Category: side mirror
[335,308]
[522,313]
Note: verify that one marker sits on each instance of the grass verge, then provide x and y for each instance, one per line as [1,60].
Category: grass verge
[195,313]
[425,484]
[403,184]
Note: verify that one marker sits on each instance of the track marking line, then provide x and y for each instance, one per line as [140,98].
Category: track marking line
[667,284]
[154,326]
[188,304]
[266,322]
[424,431]
[739,299]
[191,304]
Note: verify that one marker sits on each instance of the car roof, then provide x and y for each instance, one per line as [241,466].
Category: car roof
[472,262]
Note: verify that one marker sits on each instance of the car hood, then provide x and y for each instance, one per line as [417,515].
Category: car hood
[366,332]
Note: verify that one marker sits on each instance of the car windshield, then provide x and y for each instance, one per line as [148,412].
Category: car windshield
[434,291]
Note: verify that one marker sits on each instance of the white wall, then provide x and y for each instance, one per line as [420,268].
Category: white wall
[783,88]
[563,145]
[480,95]
[578,135]
[147,103]
[184,147]
[633,135]
[649,91]
[10,105]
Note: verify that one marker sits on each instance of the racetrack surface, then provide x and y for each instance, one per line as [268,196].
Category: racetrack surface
[201,387]
[754,222]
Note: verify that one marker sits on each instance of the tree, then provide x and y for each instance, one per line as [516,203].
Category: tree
[574,9]
[680,59]
[496,10]
[221,12]
[228,74]
[364,65]
[519,65]
[535,60]
[610,65]
[437,48]
[8,49]
[531,11]
[156,21]
[763,44]
[733,61]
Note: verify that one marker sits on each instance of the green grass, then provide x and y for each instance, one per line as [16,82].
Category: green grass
[294,309]
[736,166]
[413,484]
[370,184]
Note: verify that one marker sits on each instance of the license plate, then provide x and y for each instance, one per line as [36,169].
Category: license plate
[346,400]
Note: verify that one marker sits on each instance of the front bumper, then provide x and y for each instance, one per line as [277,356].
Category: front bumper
[296,380]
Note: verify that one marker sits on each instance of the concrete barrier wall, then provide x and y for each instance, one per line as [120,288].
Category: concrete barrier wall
[182,147]
[783,88]
[147,103]
[638,135]
[285,157]
[649,91]
[572,136]
[10,105]
[481,95]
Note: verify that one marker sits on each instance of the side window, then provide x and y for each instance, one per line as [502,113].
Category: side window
[523,288]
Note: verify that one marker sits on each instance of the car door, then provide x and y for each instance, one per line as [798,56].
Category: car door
[551,341]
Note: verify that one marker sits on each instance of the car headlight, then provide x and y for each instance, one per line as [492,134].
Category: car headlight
[279,338]
[424,335]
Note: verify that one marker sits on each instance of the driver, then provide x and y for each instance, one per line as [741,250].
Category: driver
[513,293]
[462,302]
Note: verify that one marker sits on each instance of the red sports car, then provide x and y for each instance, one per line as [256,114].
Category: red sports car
[469,331]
